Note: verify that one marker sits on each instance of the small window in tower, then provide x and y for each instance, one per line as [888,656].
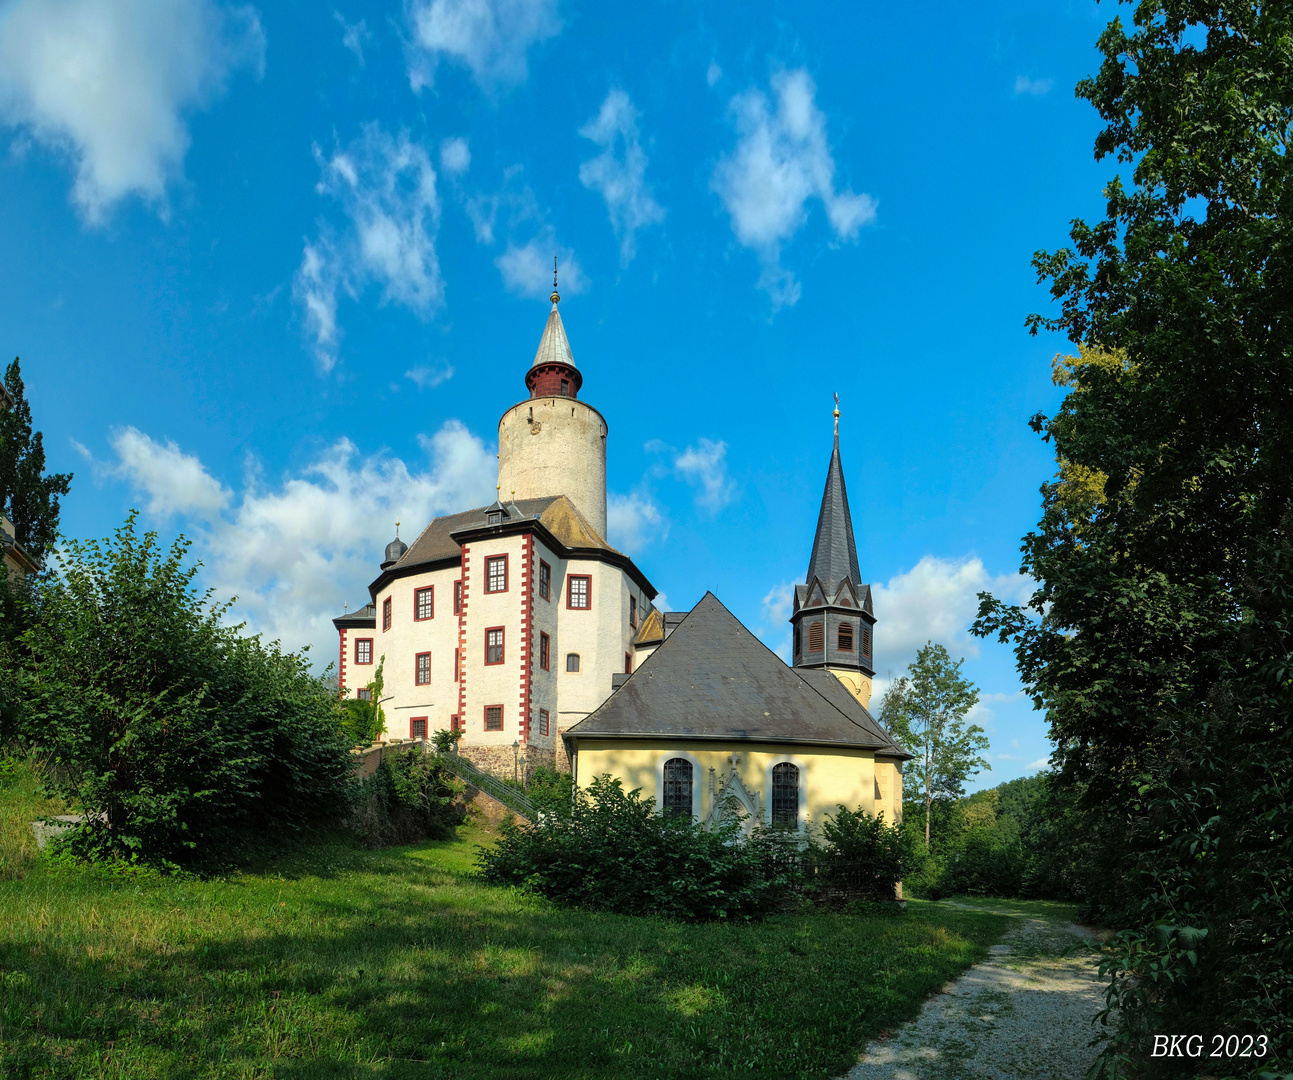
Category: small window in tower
[816,637]
[422,669]
[494,645]
[424,603]
[386,614]
[577,590]
[363,650]
[844,641]
[545,580]
[633,612]
[493,717]
[543,722]
[364,693]
[457,597]
[866,641]
[628,664]
[565,388]
[417,727]
[496,573]
[545,647]
[572,661]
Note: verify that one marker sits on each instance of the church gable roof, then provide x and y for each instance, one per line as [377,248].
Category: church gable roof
[835,554]
[713,679]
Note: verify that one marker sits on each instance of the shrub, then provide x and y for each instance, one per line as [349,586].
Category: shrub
[551,791]
[409,797]
[864,855]
[180,739]
[613,852]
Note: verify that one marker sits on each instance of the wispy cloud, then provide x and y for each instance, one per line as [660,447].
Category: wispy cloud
[634,522]
[428,378]
[1025,85]
[175,482]
[782,160]
[108,83]
[455,156]
[618,173]
[354,36]
[386,187]
[489,37]
[527,269]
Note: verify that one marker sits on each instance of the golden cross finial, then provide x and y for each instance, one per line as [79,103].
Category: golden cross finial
[397,530]
[556,296]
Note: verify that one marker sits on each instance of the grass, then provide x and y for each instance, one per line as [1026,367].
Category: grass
[20,805]
[340,962]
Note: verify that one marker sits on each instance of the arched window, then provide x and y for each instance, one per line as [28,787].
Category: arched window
[677,786]
[785,795]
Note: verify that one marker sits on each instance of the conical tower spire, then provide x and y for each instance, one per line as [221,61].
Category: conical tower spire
[553,373]
[835,553]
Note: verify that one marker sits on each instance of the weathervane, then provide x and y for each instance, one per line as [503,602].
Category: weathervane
[836,414]
[555,295]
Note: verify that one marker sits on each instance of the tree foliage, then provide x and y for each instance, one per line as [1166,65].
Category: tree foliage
[1159,638]
[179,738]
[27,495]
[925,711]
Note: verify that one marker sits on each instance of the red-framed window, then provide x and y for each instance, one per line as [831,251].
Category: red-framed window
[543,721]
[457,664]
[363,650]
[455,722]
[422,669]
[386,614]
[417,727]
[493,717]
[545,580]
[633,612]
[457,597]
[496,573]
[364,694]
[579,591]
[545,647]
[494,645]
[424,604]
[628,664]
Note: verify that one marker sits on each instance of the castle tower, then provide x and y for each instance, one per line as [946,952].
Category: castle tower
[833,617]
[552,443]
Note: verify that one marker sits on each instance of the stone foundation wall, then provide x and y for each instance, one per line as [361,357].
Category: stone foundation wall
[563,758]
[499,761]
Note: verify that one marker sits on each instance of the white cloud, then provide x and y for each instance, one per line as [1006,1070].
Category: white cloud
[1040,763]
[295,553]
[110,83]
[713,73]
[387,189]
[620,178]
[455,156]
[704,466]
[526,270]
[634,521]
[173,481]
[781,160]
[426,377]
[936,600]
[354,36]
[489,37]
[1025,85]
[777,603]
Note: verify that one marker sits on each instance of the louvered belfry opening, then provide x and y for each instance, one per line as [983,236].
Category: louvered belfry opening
[677,786]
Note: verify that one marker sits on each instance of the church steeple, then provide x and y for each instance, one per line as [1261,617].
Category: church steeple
[833,618]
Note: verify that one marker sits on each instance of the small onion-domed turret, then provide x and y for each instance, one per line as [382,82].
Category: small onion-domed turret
[395,549]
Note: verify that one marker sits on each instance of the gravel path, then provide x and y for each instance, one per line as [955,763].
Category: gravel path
[1023,1014]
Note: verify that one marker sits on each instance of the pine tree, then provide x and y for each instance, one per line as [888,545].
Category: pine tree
[27,496]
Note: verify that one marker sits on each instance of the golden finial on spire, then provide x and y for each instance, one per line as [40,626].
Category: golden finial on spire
[556,296]
[397,530]
[836,414]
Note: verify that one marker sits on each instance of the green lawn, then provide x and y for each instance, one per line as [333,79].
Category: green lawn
[340,962]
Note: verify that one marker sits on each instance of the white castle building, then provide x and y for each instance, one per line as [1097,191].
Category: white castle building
[508,621]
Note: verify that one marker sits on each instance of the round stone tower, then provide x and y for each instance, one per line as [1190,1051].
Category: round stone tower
[552,443]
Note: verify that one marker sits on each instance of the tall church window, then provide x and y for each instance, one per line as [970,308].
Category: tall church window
[494,645]
[677,786]
[816,637]
[785,795]
[844,640]
[496,573]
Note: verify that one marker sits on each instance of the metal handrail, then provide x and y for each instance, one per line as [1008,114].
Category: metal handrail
[491,785]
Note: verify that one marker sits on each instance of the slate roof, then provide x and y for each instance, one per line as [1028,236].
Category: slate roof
[363,618]
[712,678]
[835,554]
[554,346]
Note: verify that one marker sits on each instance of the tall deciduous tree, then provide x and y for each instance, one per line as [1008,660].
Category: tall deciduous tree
[925,710]
[1160,636]
[27,495]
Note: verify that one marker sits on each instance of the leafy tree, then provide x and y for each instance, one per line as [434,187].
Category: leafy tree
[365,719]
[1158,640]
[180,739]
[925,711]
[27,496]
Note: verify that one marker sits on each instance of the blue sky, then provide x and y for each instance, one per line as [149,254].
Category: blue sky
[275,270]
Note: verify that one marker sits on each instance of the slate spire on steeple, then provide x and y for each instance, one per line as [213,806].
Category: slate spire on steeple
[553,373]
[835,554]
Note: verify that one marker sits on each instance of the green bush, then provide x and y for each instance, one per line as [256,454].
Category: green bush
[551,790]
[863,854]
[410,796]
[613,852]
[181,740]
